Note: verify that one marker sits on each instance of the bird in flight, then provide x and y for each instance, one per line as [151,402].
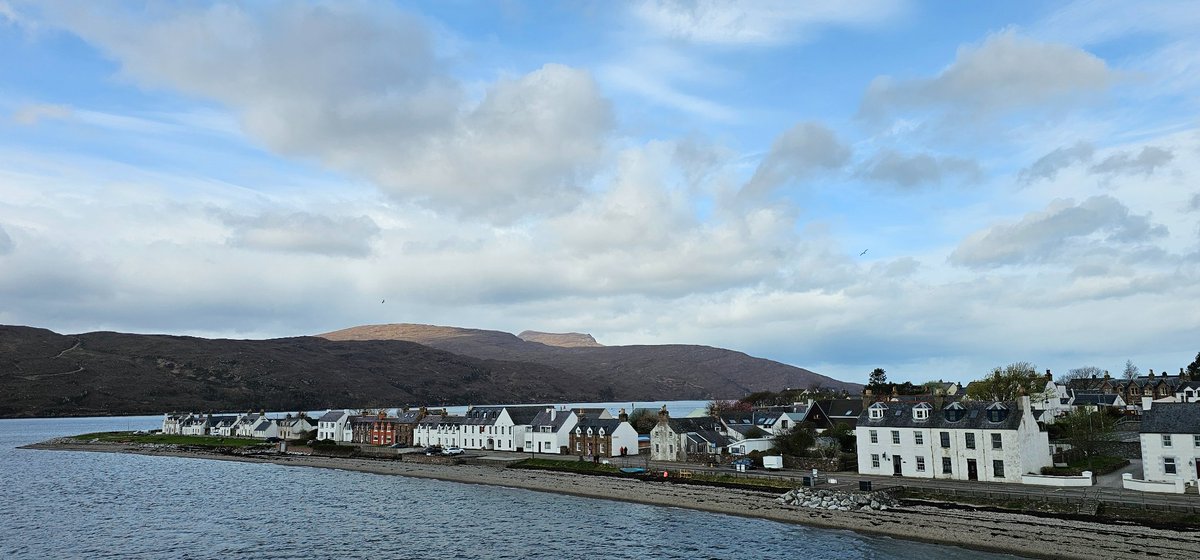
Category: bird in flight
[863,253]
[382,300]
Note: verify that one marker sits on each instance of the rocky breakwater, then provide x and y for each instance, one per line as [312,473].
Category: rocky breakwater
[838,500]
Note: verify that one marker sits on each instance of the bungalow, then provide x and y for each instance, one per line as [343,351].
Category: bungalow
[1170,440]
[968,440]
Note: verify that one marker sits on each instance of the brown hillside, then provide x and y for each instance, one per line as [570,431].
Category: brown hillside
[565,340]
[673,371]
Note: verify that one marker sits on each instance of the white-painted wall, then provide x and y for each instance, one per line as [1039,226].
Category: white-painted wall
[1183,449]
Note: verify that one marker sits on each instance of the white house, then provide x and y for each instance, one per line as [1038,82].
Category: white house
[550,430]
[1170,438]
[968,440]
[173,423]
[266,428]
[1188,392]
[294,427]
[332,426]
[196,425]
[246,423]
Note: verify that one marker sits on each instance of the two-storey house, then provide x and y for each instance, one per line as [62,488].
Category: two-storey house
[966,440]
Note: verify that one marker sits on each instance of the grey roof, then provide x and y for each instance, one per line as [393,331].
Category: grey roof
[409,417]
[1171,418]
[524,415]
[708,436]
[1106,399]
[685,425]
[555,419]
[332,416]
[263,426]
[608,424]
[974,417]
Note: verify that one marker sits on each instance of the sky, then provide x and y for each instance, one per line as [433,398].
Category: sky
[934,188]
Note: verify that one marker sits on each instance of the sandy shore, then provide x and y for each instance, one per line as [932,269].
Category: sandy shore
[1023,535]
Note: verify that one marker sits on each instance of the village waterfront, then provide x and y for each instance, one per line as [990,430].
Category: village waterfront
[63,504]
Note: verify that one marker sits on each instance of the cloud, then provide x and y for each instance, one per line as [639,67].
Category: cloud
[1194,204]
[1098,222]
[1048,166]
[31,114]
[302,232]
[1145,163]
[1007,71]
[374,100]
[6,243]
[805,148]
[918,170]
[768,22]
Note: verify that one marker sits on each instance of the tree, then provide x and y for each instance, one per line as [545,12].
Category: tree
[796,441]
[1087,430]
[877,378]
[717,408]
[643,420]
[845,436]
[1008,383]
[1131,371]
[1085,372]
[1193,369]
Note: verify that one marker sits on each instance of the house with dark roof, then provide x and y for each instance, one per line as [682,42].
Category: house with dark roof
[594,436]
[678,439]
[1170,441]
[826,414]
[550,431]
[332,424]
[966,440]
[1188,392]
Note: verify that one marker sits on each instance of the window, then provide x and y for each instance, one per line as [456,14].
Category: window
[918,438]
[945,440]
[895,437]
[1169,465]
[1196,440]
[998,469]
[578,446]
[876,411]
[920,464]
[997,441]
[874,460]
[656,448]
[970,441]
[921,412]
[874,436]
[946,465]
[1166,439]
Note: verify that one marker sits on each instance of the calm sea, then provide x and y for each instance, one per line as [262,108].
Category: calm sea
[58,504]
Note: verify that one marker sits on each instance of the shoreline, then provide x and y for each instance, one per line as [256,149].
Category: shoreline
[1010,533]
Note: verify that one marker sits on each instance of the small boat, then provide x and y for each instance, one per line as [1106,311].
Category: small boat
[633,470]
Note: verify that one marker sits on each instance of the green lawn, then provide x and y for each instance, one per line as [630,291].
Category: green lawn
[202,441]
[564,465]
[1099,465]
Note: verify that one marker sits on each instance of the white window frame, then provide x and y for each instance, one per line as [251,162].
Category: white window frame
[1166,440]
[918,437]
[875,460]
[1170,466]
[920,464]
[895,437]
[997,441]
[874,436]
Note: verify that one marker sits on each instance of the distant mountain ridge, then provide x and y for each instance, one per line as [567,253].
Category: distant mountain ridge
[678,370]
[566,340]
[43,373]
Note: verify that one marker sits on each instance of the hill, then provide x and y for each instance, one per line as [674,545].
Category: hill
[43,373]
[671,371]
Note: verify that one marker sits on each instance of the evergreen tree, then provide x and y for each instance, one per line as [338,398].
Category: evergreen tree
[877,378]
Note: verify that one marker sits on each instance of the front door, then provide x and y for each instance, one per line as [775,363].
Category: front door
[972,470]
[896,471]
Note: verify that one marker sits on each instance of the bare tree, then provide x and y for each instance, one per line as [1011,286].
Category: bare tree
[1080,373]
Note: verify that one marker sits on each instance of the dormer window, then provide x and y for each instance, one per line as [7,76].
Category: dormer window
[954,412]
[876,411]
[921,411]
[997,412]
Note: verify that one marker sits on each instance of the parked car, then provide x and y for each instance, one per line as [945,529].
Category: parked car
[274,439]
[398,445]
[746,462]
[453,451]
[433,450]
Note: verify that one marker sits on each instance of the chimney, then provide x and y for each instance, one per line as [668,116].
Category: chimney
[1026,408]
[550,409]
[938,398]
[621,416]
[866,398]
[663,415]
[1106,376]
[1151,374]
[1147,402]
[1048,376]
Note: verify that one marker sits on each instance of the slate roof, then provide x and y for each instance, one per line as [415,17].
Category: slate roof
[708,436]
[685,425]
[524,415]
[408,417]
[332,416]
[841,408]
[263,426]
[975,417]
[544,418]
[1106,399]
[609,424]
[1171,418]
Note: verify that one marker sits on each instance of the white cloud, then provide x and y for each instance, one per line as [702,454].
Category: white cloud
[1048,166]
[1007,71]
[1100,223]
[6,243]
[304,232]
[918,170]
[373,100]
[1145,163]
[795,154]
[767,22]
